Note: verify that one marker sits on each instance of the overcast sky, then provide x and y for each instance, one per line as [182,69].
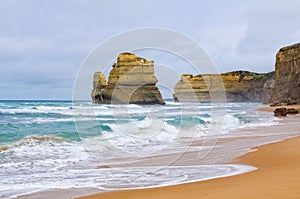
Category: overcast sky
[44,43]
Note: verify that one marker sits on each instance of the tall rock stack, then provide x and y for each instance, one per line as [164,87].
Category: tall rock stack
[99,84]
[239,86]
[287,75]
[131,80]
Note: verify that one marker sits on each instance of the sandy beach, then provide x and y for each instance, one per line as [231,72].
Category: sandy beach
[277,176]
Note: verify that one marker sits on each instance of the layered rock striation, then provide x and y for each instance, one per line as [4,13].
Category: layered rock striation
[131,81]
[239,86]
[287,75]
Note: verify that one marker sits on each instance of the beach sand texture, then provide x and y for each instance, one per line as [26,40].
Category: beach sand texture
[277,176]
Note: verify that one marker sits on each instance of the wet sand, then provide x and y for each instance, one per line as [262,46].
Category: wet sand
[277,176]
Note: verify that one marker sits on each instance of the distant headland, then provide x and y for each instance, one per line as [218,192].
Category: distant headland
[240,86]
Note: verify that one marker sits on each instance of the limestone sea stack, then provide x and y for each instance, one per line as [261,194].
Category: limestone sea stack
[240,86]
[287,75]
[131,81]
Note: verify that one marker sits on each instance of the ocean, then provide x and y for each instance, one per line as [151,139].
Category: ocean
[48,145]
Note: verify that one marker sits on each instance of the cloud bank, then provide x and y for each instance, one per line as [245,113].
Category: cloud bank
[43,43]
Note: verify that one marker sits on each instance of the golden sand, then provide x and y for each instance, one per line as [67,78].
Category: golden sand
[278,176]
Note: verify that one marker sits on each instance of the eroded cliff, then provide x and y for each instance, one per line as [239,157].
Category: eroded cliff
[131,80]
[287,75]
[239,86]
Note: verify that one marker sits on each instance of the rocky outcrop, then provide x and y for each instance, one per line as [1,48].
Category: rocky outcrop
[284,111]
[131,80]
[287,75]
[99,84]
[280,112]
[239,86]
[292,111]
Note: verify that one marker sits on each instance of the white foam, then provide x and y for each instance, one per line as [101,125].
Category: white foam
[41,153]
[123,178]
[39,109]
[230,123]
[173,103]
[134,138]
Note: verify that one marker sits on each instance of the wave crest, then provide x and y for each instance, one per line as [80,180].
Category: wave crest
[34,140]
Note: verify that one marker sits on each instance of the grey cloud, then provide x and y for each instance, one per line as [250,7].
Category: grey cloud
[43,43]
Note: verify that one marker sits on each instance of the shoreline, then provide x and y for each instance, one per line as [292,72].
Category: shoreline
[276,177]
[88,192]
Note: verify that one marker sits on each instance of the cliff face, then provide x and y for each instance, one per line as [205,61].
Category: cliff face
[131,80]
[287,75]
[239,86]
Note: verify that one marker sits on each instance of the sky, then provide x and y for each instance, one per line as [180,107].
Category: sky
[44,43]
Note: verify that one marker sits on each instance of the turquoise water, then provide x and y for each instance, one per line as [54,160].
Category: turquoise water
[19,119]
[60,144]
